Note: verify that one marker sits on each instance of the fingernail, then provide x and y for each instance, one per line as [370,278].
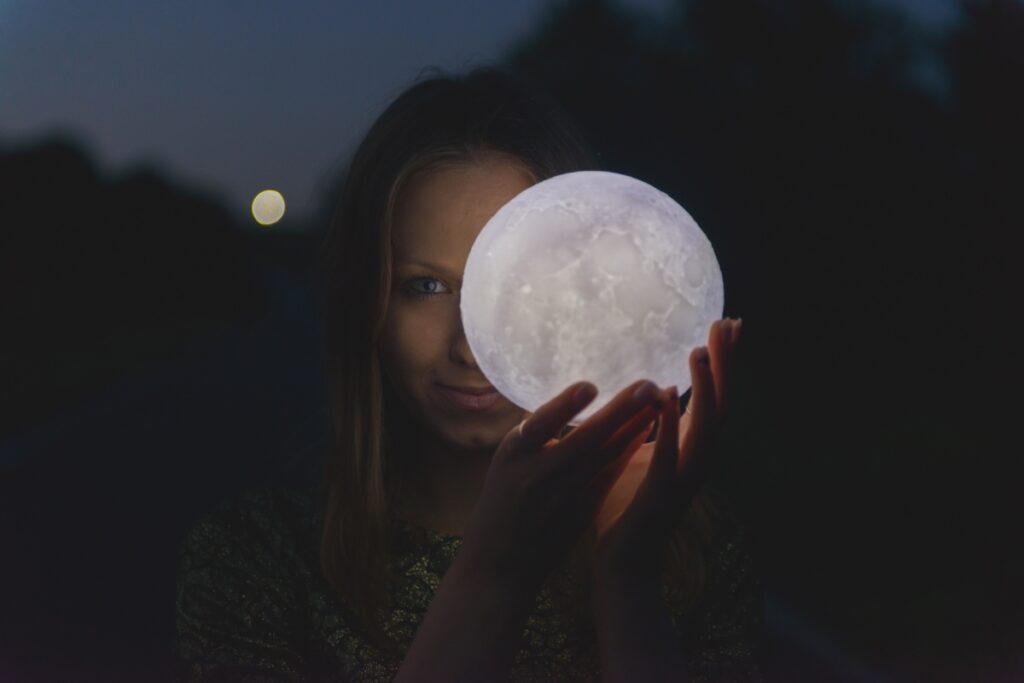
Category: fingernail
[645,392]
[584,393]
[666,396]
[702,354]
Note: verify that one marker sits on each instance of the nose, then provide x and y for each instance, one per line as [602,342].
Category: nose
[460,352]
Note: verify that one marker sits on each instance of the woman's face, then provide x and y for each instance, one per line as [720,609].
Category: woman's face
[437,218]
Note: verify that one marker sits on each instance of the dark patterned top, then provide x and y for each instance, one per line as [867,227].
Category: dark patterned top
[253,606]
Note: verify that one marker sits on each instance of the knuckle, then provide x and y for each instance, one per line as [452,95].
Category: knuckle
[545,470]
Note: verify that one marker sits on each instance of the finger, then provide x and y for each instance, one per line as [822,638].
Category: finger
[656,497]
[699,428]
[578,449]
[549,419]
[720,349]
[729,377]
[603,482]
[637,429]
[666,449]
[621,447]
[642,419]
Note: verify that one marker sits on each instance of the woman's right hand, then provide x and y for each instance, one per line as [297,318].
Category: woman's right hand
[539,494]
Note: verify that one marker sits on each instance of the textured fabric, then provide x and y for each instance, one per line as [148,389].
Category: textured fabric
[252,605]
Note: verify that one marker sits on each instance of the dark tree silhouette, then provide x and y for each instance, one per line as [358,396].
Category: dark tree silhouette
[101,275]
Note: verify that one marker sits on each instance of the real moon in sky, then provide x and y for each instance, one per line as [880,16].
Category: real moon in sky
[268,207]
[589,275]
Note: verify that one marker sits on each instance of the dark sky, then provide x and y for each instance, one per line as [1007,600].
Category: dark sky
[237,96]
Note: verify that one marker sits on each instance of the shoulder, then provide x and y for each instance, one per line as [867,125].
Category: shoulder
[717,566]
[240,586]
[726,624]
[254,513]
[731,556]
[731,575]
[259,529]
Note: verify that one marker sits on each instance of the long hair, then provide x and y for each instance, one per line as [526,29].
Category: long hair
[438,120]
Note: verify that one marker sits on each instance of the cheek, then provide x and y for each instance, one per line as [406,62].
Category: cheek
[414,341]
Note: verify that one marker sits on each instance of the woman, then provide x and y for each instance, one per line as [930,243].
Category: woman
[457,537]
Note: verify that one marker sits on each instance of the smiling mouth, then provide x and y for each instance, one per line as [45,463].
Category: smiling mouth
[466,401]
[470,390]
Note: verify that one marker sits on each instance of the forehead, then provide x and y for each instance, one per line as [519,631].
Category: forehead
[440,212]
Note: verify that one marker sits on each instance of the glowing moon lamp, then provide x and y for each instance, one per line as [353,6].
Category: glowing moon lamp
[591,276]
[268,207]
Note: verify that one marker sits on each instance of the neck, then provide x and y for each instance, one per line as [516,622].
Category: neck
[440,486]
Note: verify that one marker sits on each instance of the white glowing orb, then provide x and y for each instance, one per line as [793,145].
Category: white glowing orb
[268,207]
[588,276]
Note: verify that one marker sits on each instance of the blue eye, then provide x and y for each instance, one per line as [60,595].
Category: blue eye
[416,293]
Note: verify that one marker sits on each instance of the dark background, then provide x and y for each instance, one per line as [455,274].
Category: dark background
[158,354]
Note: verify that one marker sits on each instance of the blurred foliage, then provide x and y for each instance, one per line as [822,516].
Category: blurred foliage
[103,275]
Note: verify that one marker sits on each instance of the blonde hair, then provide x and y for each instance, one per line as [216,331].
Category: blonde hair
[438,121]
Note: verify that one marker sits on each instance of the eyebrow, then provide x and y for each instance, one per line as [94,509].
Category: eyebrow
[431,266]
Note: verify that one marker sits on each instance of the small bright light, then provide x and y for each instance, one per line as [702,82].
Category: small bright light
[268,207]
[588,276]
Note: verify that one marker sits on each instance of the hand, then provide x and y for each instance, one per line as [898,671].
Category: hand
[537,499]
[654,482]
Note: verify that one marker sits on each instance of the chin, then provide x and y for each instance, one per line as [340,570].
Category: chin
[477,436]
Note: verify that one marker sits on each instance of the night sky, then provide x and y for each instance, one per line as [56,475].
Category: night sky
[233,97]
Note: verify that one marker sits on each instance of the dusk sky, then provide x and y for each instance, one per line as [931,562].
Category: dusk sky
[233,97]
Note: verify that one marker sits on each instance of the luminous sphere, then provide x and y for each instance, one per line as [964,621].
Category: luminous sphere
[591,276]
[268,207]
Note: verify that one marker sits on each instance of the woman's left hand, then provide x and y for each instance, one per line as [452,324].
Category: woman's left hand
[653,483]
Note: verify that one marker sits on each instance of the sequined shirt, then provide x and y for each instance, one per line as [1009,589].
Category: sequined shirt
[253,606]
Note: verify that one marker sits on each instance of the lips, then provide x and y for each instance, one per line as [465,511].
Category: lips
[470,390]
[465,400]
